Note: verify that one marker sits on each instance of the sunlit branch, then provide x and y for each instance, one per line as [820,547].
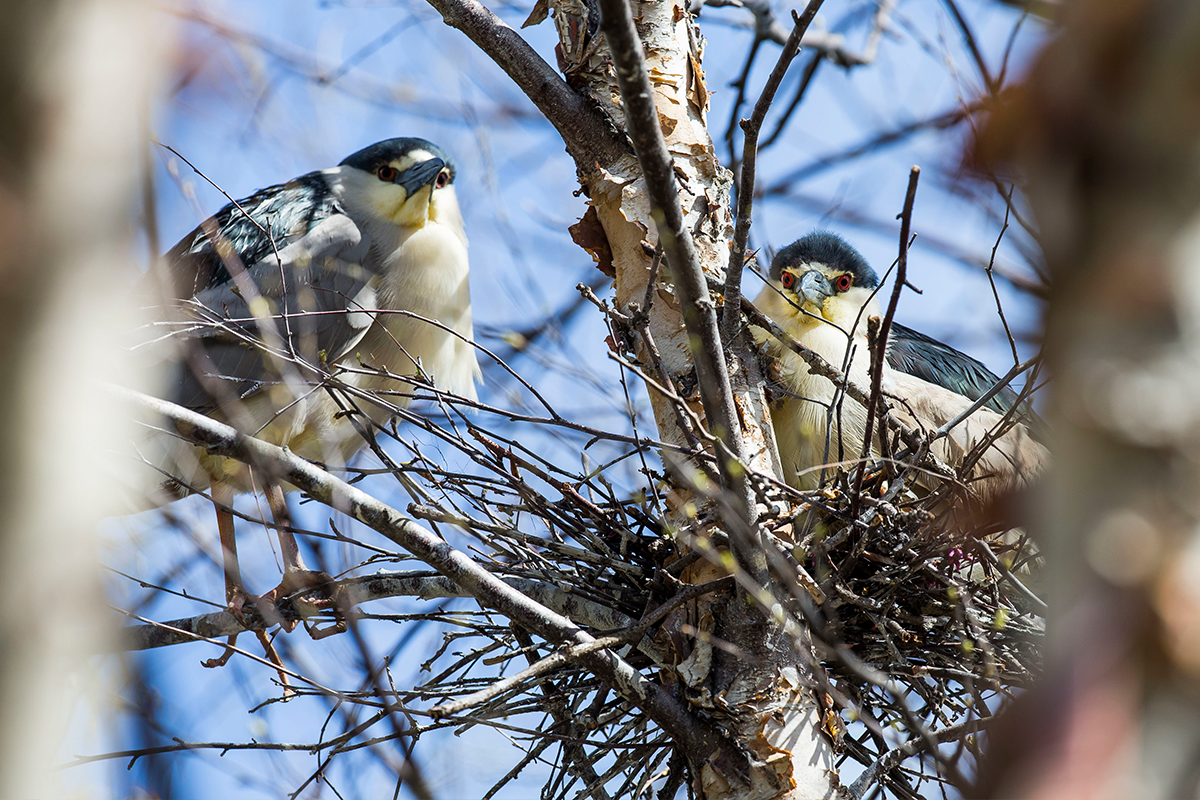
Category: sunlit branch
[589,135]
[486,588]
[363,589]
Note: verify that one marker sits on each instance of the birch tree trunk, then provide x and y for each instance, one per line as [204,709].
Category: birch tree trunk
[765,701]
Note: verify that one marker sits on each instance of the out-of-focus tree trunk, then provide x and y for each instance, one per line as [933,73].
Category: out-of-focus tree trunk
[72,84]
[1107,131]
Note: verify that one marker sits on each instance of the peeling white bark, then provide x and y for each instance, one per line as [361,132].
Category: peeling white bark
[769,707]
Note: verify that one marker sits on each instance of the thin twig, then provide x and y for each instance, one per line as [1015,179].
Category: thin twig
[806,78]
[969,38]
[880,355]
[731,318]
[362,589]
[992,280]
[830,45]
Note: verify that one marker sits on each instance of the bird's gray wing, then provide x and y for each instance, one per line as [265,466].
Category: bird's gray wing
[286,317]
[924,357]
[1011,461]
[245,232]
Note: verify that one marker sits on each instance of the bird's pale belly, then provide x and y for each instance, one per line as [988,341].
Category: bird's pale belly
[311,427]
[804,447]
[813,428]
[427,276]
[448,360]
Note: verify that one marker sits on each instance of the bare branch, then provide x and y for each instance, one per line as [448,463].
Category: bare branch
[589,135]
[362,589]
[969,37]
[879,356]
[1008,208]
[486,588]
[943,121]
[731,321]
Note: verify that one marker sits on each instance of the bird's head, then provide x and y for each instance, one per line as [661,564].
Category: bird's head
[405,182]
[824,276]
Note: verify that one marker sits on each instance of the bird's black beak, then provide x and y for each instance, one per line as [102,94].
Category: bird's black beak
[419,175]
[815,288]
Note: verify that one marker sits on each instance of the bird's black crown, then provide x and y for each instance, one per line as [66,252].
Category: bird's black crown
[371,158]
[823,247]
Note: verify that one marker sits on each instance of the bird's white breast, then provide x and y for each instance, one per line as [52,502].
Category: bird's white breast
[820,407]
[819,425]
[426,274]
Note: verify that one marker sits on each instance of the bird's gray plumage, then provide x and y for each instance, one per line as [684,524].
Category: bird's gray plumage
[312,278]
[916,354]
[909,351]
[253,227]
[822,292]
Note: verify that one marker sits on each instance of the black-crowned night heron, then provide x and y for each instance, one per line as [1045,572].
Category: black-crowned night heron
[822,292]
[291,306]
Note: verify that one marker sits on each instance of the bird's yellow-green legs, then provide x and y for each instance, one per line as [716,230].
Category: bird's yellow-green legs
[297,577]
[235,593]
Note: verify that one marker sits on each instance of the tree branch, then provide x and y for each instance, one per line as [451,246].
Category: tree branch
[589,135]
[885,329]
[361,589]
[695,735]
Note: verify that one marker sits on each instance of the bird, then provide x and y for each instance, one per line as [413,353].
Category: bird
[822,291]
[287,309]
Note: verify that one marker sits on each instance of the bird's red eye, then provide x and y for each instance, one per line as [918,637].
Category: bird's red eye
[788,280]
[386,173]
[843,283]
[443,178]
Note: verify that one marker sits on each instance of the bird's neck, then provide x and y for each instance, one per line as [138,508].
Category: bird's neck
[841,341]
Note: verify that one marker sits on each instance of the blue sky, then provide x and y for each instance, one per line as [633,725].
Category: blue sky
[242,102]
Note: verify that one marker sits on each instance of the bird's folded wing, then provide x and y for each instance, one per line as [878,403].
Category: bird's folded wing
[1011,461]
[288,317]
